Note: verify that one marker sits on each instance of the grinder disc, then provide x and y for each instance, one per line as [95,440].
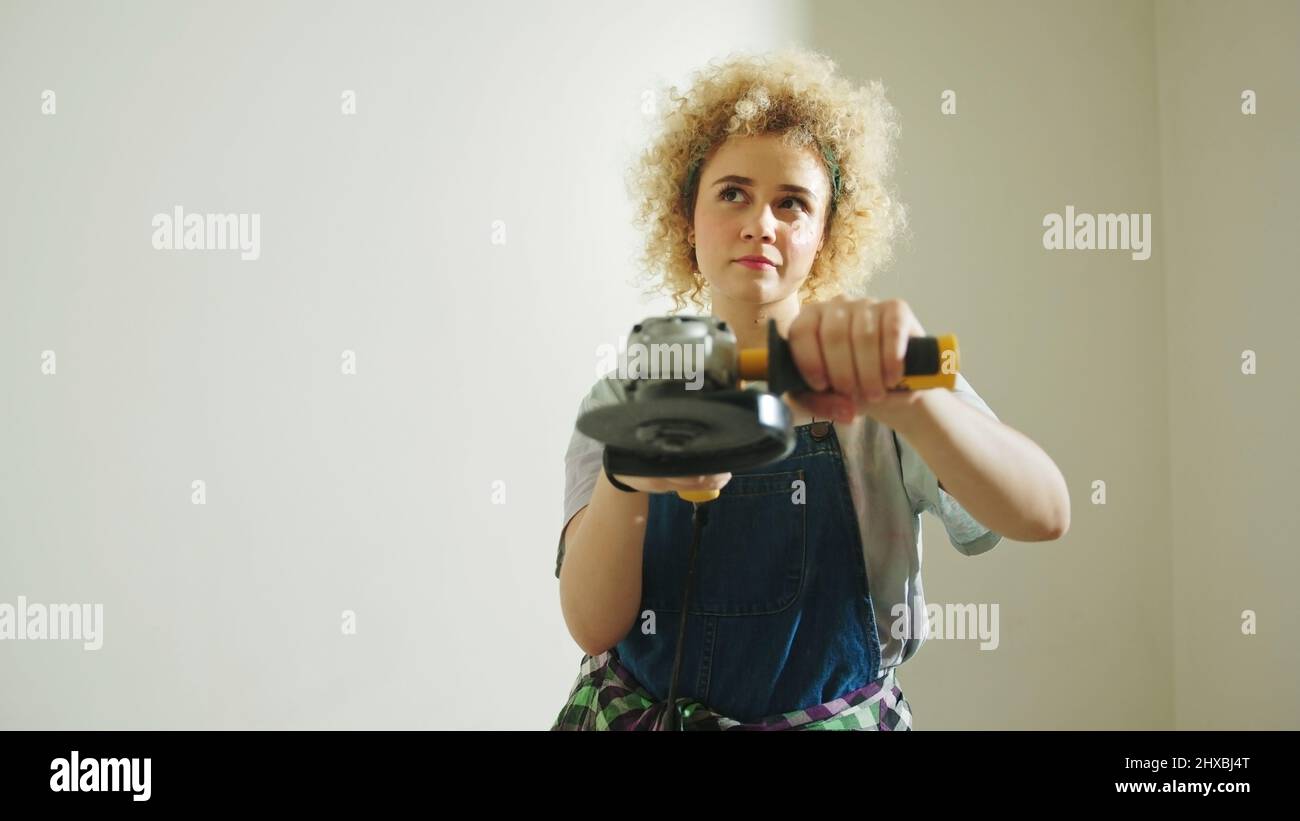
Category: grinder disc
[678,435]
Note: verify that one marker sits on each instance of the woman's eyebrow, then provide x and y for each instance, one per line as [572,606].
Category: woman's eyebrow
[747,181]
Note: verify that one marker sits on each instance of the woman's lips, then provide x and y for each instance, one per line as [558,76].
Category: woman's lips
[757,266]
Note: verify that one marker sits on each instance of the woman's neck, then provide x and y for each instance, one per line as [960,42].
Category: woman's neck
[748,320]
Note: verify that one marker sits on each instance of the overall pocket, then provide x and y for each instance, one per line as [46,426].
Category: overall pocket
[751,555]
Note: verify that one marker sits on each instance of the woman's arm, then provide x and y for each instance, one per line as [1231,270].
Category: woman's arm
[999,475]
[600,577]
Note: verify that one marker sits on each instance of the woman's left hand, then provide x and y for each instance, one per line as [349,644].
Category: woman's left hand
[854,348]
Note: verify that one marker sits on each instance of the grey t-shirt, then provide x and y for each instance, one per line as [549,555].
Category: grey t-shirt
[890,484]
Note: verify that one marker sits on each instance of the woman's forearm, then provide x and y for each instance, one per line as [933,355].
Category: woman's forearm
[600,577]
[999,475]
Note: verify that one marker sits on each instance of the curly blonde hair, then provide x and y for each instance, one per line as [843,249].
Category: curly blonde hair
[797,94]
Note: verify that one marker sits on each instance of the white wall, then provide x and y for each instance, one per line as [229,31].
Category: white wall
[370,492]
[1229,186]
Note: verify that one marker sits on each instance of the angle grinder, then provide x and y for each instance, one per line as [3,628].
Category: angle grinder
[685,413]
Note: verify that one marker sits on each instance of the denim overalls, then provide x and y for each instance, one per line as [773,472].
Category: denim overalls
[781,615]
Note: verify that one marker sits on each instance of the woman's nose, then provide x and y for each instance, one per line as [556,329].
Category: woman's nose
[763,225]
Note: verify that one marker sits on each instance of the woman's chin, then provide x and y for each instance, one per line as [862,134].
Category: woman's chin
[759,288]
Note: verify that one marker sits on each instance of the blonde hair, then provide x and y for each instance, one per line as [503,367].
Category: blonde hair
[794,93]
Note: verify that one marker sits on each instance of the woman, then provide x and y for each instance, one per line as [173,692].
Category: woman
[765,197]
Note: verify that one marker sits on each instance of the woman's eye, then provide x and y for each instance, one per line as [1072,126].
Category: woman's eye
[723,196]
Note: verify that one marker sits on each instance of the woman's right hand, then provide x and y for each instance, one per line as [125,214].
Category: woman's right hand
[672,484]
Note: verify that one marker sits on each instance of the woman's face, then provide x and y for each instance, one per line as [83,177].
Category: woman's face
[745,206]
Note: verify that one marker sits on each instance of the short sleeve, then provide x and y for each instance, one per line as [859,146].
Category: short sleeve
[964,532]
[583,459]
